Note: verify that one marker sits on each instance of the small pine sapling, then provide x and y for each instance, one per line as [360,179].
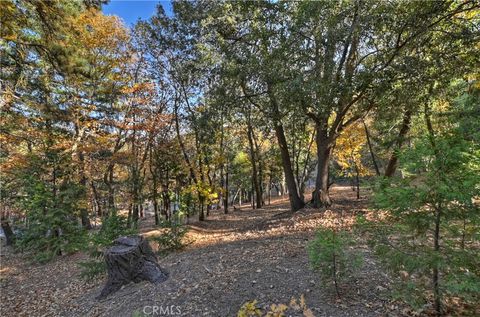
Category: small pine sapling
[113,227]
[171,238]
[430,237]
[331,255]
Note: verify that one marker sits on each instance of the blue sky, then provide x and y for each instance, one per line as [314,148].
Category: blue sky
[131,10]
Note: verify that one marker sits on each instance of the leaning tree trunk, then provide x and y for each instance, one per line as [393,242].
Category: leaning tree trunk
[370,148]
[131,259]
[405,127]
[296,203]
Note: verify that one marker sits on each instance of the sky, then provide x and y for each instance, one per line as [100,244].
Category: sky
[131,10]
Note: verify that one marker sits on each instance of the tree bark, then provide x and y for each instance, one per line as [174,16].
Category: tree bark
[405,127]
[9,235]
[96,199]
[306,170]
[438,217]
[224,170]
[435,276]
[321,197]
[225,194]
[182,146]
[357,179]
[201,215]
[258,157]
[153,172]
[134,177]
[269,189]
[370,148]
[108,180]
[253,158]
[131,259]
[155,210]
[296,202]
[83,182]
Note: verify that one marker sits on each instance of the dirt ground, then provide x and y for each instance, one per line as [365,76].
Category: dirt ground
[245,255]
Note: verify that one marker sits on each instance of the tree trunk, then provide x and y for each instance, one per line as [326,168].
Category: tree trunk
[154,190]
[306,171]
[370,148]
[222,188]
[435,277]
[7,230]
[201,215]
[96,199]
[270,189]
[155,211]
[83,182]
[225,194]
[111,192]
[135,194]
[296,202]
[232,202]
[108,181]
[129,216]
[260,201]
[166,204]
[224,171]
[438,217]
[357,178]
[253,159]
[131,259]
[320,196]
[392,164]
[135,213]
[182,145]
[155,201]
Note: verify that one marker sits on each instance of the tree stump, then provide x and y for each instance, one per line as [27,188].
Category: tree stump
[131,259]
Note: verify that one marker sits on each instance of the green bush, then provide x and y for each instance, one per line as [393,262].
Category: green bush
[93,268]
[429,239]
[113,226]
[331,255]
[171,238]
[52,228]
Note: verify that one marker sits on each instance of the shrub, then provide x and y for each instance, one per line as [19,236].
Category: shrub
[171,238]
[52,228]
[331,256]
[113,227]
[430,237]
[92,268]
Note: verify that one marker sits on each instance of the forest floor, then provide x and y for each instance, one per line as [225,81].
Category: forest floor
[231,259]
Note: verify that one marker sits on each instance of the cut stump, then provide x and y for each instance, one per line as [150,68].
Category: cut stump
[131,259]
